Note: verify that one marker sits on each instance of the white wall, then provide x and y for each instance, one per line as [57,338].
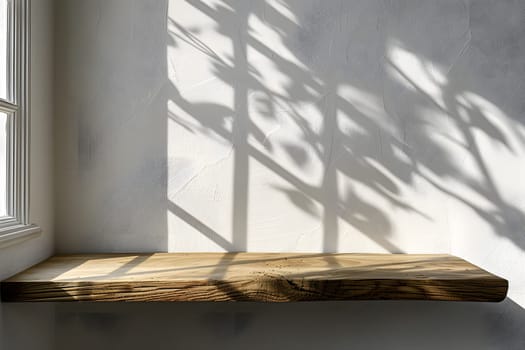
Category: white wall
[111,125]
[297,125]
[256,127]
[19,256]
[278,127]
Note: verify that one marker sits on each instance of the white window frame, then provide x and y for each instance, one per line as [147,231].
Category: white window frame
[16,227]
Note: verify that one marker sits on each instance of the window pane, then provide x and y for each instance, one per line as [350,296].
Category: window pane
[5,36]
[3,163]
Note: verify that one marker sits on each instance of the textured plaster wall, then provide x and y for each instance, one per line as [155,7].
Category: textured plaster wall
[385,126]
[111,138]
[296,126]
[264,126]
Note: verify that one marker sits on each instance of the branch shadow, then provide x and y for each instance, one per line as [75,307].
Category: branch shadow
[346,155]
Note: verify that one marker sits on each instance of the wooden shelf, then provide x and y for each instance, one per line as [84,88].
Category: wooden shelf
[253,277]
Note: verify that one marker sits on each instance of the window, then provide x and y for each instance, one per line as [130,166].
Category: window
[14,120]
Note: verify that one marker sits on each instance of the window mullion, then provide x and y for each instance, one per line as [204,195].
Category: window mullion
[8,107]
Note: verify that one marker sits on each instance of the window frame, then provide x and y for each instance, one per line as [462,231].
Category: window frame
[15,226]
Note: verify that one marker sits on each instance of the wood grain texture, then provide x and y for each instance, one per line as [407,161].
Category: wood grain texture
[268,277]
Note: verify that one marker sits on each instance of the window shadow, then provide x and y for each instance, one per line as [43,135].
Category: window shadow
[370,148]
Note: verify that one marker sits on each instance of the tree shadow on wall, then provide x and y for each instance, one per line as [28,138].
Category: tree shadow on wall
[370,108]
